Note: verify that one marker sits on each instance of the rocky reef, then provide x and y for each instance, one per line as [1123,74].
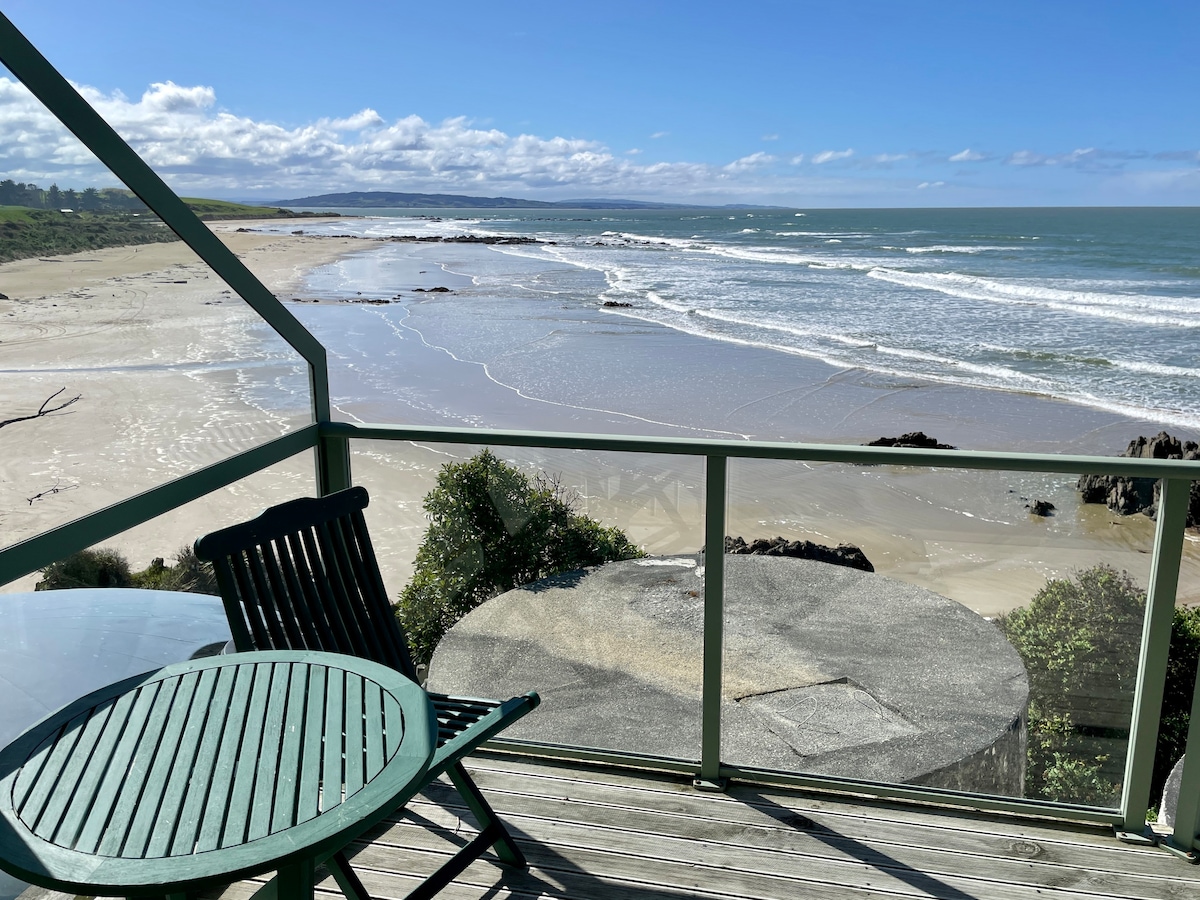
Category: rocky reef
[841,555]
[1127,496]
[917,440]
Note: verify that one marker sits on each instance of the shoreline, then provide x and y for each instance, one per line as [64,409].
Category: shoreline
[965,535]
[959,534]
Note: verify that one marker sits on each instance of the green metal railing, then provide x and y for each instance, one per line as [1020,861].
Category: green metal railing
[330,444]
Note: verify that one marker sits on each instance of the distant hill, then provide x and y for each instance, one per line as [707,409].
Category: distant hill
[392,200]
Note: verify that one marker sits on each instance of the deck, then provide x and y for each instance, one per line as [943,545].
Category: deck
[597,833]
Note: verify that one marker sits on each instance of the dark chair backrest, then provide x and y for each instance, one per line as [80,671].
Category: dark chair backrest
[303,576]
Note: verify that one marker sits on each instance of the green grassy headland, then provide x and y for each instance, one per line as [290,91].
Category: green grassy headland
[26,232]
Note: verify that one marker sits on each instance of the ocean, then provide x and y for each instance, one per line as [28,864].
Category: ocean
[1097,308]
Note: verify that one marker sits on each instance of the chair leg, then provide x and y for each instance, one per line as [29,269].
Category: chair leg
[506,848]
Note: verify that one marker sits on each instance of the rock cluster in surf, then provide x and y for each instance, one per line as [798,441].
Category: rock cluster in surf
[917,440]
[1127,496]
[841,555]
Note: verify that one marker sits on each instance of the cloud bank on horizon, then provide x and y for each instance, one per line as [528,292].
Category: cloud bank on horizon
[199,148]
[1028,119]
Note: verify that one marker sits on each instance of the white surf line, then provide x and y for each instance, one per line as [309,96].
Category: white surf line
[412,443]
[612,412]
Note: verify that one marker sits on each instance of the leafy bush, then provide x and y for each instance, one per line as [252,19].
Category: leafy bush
[491,529]
[105,568]
[188,574]
[1177,695]
[1080,639]
[88,568]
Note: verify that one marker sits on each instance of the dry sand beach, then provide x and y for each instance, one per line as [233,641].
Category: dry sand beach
[173,373]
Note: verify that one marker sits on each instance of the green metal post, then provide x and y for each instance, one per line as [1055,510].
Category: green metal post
[714,624]
[1152,666]
[333,464]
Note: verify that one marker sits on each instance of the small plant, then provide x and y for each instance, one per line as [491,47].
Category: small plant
[188,574]
[492,528]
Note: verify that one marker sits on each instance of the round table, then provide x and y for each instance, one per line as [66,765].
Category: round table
[211,771]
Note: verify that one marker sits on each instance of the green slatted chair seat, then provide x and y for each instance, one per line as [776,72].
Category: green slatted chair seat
[303,576]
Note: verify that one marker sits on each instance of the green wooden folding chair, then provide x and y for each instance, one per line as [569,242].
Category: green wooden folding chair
[303,576]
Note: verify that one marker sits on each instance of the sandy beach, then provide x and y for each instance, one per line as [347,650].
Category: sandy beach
[157,348]
[173,373]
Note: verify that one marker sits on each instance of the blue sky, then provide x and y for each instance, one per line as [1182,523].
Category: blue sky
[799,103]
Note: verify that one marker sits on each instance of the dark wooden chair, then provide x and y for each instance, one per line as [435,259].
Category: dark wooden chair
[303,576]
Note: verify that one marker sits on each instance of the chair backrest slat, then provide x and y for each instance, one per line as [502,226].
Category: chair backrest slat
[329,597]
[268,583]
[375,596]
[301,615]
[365,634]
[303,575]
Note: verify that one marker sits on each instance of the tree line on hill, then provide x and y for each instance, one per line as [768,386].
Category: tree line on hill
[18,193]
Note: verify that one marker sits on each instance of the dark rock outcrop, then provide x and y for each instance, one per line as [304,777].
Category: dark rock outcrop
[1040,507]
[1127,496]
[914,439]
[841,555]
[619,304]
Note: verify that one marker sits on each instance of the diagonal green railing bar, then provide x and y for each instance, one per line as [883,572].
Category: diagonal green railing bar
[56,93]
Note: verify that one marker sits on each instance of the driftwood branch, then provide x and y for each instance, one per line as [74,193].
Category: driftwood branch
[58,488]
[45,409]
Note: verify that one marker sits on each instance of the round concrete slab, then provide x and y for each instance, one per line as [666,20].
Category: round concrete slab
[828,670]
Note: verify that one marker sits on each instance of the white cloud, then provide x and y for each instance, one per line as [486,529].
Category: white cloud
[1087,158]
[659,134]
[770,137]
[748,163]
[1028,158]
[830,155]
[203,150]
[1179,155]
[967,155]
[183,134]
[930,184]
[366,118]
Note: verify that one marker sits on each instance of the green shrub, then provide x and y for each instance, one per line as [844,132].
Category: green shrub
[88,568]
[491,529]
[106,568]
[1182,664]
[188,574]
[1080,639]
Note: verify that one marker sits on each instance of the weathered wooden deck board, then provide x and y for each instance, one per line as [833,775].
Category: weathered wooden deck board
[595,833]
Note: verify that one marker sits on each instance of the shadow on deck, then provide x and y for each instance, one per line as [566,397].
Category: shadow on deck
[598,833]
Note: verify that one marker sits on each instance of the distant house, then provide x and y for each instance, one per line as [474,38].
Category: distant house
[66,212]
